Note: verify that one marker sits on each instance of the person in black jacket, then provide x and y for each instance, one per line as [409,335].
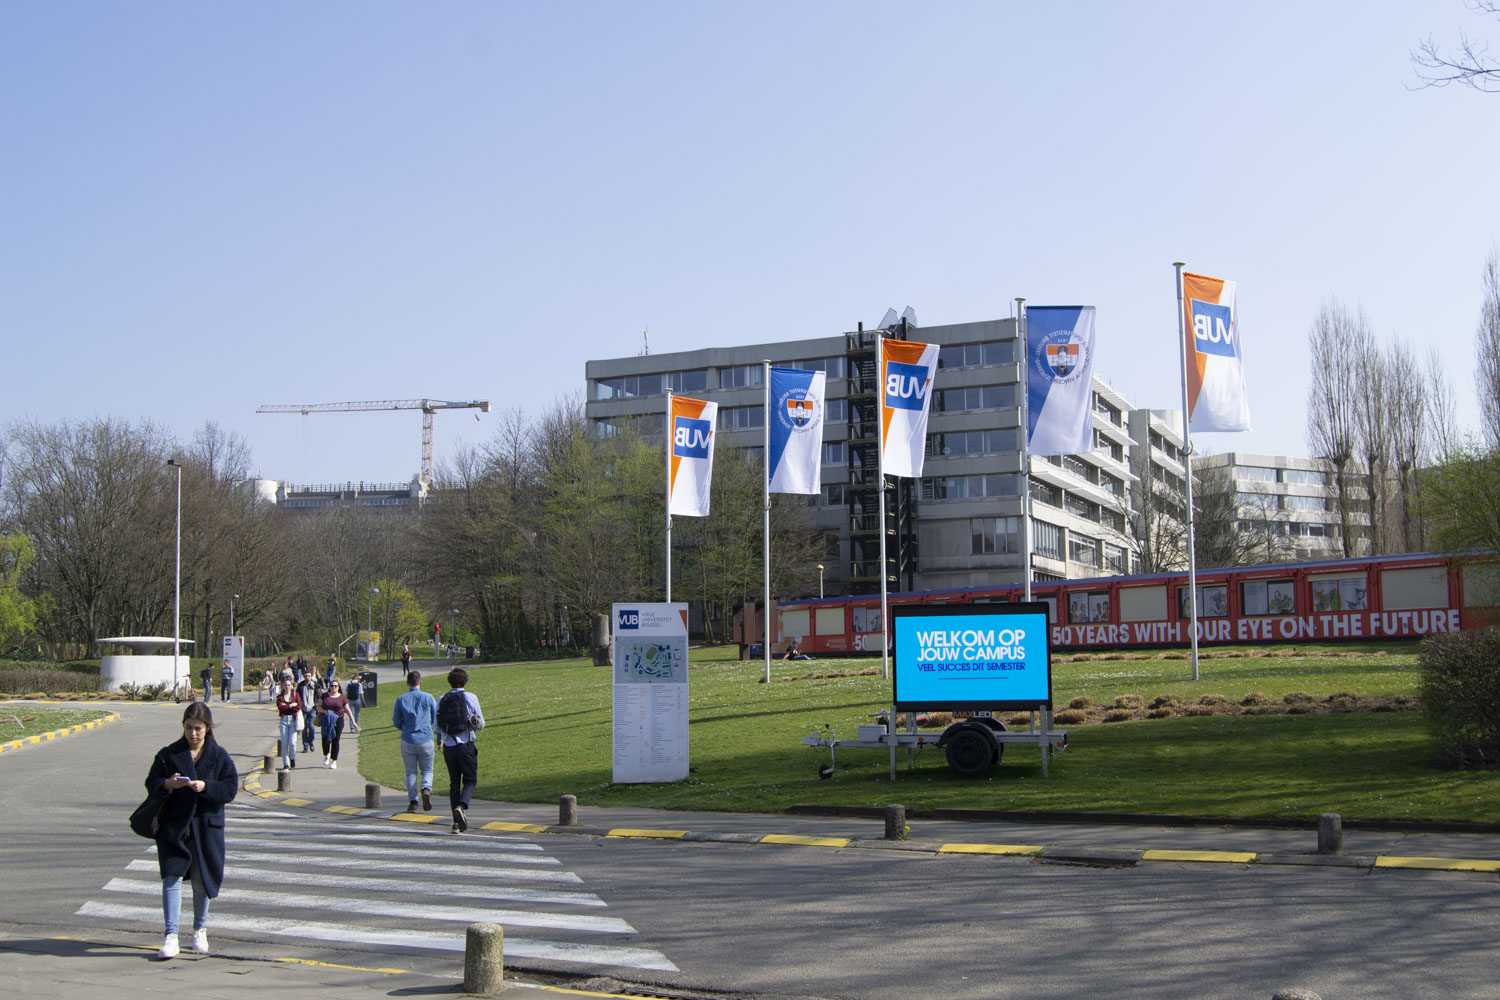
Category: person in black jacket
[198,777]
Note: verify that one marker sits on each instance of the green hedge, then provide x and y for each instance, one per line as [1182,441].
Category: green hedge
[1459,684]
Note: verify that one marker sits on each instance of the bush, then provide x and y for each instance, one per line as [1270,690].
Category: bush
[1082,701]
[1070,717]
[1459,685]
[1119,715]
[1254,698]
[1130,702]
[1213,699]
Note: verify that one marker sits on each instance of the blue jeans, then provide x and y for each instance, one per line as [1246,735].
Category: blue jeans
[171,901]
[418,758]
[288,738]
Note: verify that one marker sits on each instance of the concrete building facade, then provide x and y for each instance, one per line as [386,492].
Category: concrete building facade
[1290,505]
[960,524]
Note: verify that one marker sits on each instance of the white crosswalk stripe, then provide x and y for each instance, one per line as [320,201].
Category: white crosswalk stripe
[381,886]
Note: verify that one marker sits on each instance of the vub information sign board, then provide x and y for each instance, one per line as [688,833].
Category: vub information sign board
[234,653]
[971,657]
[650,692]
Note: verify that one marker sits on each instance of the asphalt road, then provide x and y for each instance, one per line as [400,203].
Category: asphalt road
[873,924]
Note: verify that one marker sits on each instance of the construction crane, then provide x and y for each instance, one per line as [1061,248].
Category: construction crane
[429,408]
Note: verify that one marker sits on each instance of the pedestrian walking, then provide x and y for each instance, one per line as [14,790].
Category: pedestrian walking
[415,715]
[289,712]
[226,680]
[355,692]
[198,778]
[332,668]
[459,722]
[333,709]
[206,675]
[405,658]
[301,667]
[307,691]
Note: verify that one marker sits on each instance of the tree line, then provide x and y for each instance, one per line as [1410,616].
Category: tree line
[522,542]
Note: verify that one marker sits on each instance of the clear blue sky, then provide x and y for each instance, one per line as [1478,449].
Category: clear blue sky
[207,207]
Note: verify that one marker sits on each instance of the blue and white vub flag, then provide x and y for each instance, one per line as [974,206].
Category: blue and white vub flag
[796,424]
[1060,377]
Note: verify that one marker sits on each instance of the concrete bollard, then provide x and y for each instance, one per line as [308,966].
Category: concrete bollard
[1330,834]
[267,764]
[372,795]
[283,781]
[567,810]
[484,958]
[895,822]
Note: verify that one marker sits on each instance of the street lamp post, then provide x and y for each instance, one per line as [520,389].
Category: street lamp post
[374,592]
[232,599]
[820,580]
[453,627]
[395,622]
[177,581]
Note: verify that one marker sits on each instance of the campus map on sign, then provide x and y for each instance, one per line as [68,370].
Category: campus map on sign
[650,719]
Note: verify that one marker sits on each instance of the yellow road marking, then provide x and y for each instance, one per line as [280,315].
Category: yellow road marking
[648,834]
[412,818]
[1439,864]
[514,827]
[1023,849]
[787,838]
[1231,857]
[296,802]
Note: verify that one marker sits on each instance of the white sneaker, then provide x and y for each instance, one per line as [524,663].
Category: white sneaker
[333,764]
[169,947]
[200,940]
[326,760]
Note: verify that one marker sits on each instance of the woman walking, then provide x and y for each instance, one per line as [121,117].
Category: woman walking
[307,692]
[198,777]
[335,709]
[289,708]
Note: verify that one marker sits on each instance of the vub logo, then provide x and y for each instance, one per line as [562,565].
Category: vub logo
[629,619]
[1213,330]
[905,385]
[690,438]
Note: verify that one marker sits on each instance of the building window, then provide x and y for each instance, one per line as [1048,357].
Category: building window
[993,352]
[1046,493]
[991,535]
[739,418]
[1304,476]
[970,487]
[1112,484]
[1265,501]
[1116,559]
[975,397]
[1083,550]
[836,411]
[971,443]
[835,453]
[835,495]
[741,376]
[1109,446]
[1257,473]
[1046,539]
[630,386]
[1304,503]
[1107,410]
[832,367]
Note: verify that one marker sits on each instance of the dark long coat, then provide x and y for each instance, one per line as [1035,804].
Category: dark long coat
[192,824]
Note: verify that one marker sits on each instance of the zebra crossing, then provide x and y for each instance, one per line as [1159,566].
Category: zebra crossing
[293,875]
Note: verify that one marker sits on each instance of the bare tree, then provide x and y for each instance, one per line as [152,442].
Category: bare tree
[1219,538]
[1487,352]
[1331,427]
[1471,65]
[1372,419]
[1154,505]
[1409,433]
[1440,407]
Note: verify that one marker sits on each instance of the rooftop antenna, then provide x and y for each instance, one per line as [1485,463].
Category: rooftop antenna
[646,341]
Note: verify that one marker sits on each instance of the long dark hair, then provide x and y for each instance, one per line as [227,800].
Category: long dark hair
[197,711]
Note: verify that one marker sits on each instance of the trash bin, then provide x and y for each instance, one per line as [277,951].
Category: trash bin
[367,679]
[468,652]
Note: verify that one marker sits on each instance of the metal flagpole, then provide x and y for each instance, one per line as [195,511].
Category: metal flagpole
[885,644]
[1025,448]
[669,495]
[766,524]
[1187,463]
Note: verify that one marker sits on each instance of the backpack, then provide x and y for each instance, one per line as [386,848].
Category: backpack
[453,713]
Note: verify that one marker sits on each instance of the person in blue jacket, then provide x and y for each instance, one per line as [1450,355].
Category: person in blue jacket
[198,777]
[415,715]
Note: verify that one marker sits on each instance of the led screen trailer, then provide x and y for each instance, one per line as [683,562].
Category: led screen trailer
[971,657]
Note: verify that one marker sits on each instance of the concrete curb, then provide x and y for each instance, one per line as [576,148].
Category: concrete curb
[1101,857]
[58,733]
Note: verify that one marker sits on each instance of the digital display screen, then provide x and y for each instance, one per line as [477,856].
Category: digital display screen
[971,657]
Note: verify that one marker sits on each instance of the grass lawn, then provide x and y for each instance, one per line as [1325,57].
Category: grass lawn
[19,721]
[549,734]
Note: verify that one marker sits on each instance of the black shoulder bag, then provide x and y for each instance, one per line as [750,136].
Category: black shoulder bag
[146,819]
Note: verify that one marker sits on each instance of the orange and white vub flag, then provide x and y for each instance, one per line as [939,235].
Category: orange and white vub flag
[906,371]
[690,435]
[1216,396]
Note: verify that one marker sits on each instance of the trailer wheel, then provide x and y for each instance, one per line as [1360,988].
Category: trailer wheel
[970,752]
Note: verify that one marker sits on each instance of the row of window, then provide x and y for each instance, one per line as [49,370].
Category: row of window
[1272,501]
[1265,474]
